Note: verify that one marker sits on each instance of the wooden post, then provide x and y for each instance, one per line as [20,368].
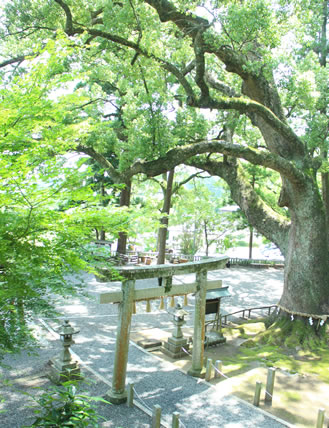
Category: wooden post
[269,386]
[130,398]
[117,394]
[197,368]
[156,416]
[257,393]
[175,420]
[148,305]
[208,370]
[219,367]
[172,302]
[162,306]
[185,300]
[320,420]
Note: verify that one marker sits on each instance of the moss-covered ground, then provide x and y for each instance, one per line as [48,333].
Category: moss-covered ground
[260,345]
[301,359]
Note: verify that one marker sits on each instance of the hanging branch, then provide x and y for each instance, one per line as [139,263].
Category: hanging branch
[140,33]
[69,20]
[179,185]
[200,65]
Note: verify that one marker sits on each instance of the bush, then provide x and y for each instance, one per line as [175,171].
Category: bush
[63,406]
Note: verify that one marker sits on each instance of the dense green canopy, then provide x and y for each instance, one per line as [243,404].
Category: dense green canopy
[142,86]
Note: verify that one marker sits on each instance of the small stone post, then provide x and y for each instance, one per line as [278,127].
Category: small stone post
[320,420]
[175,420]
[269,386]
[118,394]
[197,368]
[130,398]
[219,367]
[208,370]
[156,416]
[257,393]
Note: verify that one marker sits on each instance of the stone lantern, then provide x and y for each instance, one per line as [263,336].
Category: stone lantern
[64,367]
[173,347]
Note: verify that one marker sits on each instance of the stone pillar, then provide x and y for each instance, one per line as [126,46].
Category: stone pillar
[118,394]
[197,368]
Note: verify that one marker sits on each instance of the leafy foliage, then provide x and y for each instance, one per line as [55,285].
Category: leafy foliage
[64,406]
[43,229]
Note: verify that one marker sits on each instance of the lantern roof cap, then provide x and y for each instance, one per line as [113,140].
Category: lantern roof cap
[178,311]
[66,329]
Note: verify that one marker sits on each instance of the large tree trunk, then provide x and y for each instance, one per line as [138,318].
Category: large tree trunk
[124,202]
[325,197]
[323,63]
[303,241]
[163,229]
[306,274]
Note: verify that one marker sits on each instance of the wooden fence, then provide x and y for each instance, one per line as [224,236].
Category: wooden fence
[248,311]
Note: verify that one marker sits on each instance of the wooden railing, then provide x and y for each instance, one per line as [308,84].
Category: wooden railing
[248,311]
[259,262]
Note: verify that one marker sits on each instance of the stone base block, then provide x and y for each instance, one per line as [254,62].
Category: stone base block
[174,349]
[61,372]
[116,397]
[214,338]
[149,343]
[201,373]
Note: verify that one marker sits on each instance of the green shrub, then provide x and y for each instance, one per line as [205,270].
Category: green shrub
[63,406]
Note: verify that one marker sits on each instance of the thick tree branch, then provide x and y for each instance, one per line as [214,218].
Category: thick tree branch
[259,214]
[102,161]
[17,59]
[256,86]
[247,106]
[69,20]
[220,86]
[189,24]
[200,65]
[179,155]
[188,68]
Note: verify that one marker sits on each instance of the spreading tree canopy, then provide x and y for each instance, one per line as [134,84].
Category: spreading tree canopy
[256,70]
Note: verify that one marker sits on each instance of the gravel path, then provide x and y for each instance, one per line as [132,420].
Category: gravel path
[156,381]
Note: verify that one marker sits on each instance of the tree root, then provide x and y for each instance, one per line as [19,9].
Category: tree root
[294,332]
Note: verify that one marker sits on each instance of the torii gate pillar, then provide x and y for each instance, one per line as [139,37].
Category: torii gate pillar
[118,394]
[197,368]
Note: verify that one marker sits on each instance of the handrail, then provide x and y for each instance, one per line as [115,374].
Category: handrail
[242,261]
[249,310]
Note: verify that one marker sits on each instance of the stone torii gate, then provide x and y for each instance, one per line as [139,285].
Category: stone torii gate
[128,295]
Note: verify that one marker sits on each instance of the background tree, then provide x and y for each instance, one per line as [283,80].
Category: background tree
[199,211]
[43,234]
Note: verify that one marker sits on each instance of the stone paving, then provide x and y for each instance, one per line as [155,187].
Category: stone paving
[156,381]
